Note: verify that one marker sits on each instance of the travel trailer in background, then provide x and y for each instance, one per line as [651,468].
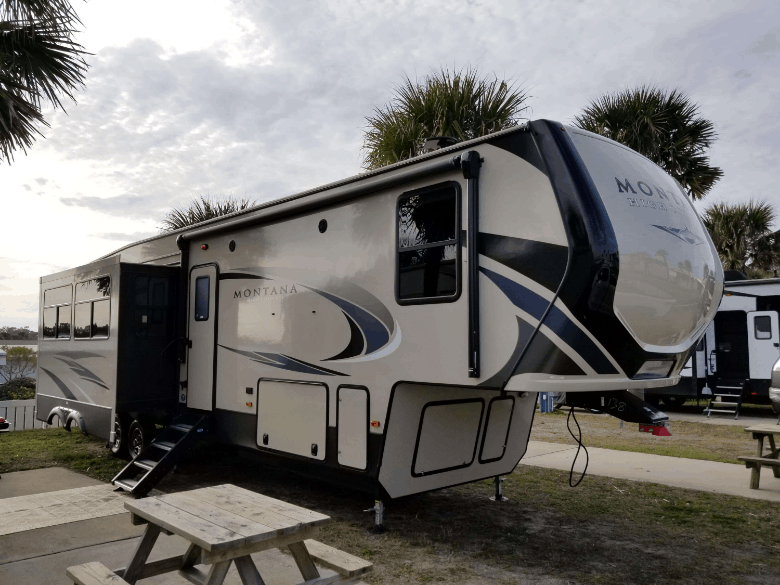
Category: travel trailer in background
[391,330]
[734,358]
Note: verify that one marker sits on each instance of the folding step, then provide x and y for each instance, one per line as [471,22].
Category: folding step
[148,468]
[725,396]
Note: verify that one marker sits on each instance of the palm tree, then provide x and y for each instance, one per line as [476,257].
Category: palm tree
[201,209]
[742,236]
[39,61]
[458,104]
[663,126]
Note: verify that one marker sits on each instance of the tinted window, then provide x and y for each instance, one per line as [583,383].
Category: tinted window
[50,323]
[58,296]
[82,321]
[763,327]
[63,322]
[202,298]
[101,313]
[97,288]
[428,244]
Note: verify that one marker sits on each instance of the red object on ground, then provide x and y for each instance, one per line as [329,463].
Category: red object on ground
[657,430]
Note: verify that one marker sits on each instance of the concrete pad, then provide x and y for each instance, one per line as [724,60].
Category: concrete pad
[707,476]
[38,481]
[65,537]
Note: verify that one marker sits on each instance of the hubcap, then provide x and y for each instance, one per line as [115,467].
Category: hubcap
[117,434]
[137,442]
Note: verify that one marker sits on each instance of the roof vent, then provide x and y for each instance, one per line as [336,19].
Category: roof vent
[437,142]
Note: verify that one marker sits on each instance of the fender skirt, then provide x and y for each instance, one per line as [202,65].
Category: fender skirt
[68,418]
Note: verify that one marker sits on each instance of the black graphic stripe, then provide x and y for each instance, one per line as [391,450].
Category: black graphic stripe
[541,262]
[61,385]
[543,356]
[241,276]
[356,342]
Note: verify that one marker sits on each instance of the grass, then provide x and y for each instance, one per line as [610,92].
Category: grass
[606,531]
[33,449]
[691,440]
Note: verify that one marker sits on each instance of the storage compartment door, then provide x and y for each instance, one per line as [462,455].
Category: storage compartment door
[292,417]
[447,438]
[763,342]
[353,427]
[496,432]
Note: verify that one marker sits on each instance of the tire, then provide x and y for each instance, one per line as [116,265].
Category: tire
[119,446]
[674,401]
[138,438]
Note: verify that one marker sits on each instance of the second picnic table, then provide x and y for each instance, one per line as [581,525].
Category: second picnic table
[771,459]
[225,524]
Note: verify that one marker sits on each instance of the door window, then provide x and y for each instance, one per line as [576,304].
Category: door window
[202,285]
[763,327]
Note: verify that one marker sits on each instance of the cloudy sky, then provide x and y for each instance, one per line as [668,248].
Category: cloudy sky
[265,98]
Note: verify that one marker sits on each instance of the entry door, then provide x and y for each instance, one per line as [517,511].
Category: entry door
[763,340]
[732,344]
[202,330]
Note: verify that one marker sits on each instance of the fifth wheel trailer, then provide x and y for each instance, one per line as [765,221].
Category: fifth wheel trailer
[392,330]
[738,350]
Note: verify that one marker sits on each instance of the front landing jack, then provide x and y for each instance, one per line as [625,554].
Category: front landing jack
[499,497]
[379,517]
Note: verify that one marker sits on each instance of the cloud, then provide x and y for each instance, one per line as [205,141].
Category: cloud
[131,206]
[41,181]
[134,237]
[3,287]
[766,44]
[27,187]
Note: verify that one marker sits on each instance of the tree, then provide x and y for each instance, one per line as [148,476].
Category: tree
[20,362]
[742,236]
[39,62]
[459,104]
[17,333]
[202,209]
[18,389]
[663,126]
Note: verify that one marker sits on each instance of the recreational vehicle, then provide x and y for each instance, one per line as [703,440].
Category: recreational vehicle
[391,330]
[734,358]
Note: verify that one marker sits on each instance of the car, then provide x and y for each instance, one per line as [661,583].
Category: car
[774,388]
[4,425]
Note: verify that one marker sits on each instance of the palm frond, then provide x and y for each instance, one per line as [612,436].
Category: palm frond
[460,104]
[663,126]
[201,209]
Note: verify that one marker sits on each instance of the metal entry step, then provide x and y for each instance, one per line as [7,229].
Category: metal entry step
[726,399]
[159,457]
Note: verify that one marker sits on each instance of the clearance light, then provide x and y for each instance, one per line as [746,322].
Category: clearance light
[375,424]
[249,404]
[204,247]
[654,369]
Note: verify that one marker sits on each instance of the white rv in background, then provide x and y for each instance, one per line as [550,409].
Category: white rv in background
[391,330]
[735,356]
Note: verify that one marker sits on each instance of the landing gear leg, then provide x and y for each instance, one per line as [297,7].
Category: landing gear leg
[499,497]
[379,517]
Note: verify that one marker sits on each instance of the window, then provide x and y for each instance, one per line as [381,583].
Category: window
[428,267]
[153,298]
[763,327]
[56,312]
[92,313]
[202,284]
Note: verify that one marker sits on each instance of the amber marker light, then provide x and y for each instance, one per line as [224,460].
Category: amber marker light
[204,247]
[375,424]
[249,404]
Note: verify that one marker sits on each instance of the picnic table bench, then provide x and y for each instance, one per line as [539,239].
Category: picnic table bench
[224,524]
[771,459]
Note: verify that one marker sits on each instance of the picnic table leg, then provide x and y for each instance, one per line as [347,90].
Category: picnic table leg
[755,475]
[248,571]
[218,572]
[760,440]
[191,556]
[141,553]
[301,555]
[774,454]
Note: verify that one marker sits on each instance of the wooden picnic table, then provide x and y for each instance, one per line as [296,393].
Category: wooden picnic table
[225,524]
[771,459]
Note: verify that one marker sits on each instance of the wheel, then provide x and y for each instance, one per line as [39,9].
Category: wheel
[674,401]
[119,446]
[654,400]
[139,437]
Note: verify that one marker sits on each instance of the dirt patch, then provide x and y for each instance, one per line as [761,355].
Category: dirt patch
[689,439]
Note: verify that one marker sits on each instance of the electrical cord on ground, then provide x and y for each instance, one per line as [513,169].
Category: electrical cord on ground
[579,446]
